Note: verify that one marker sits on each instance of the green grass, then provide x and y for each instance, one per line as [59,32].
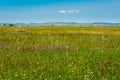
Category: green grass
[59,53]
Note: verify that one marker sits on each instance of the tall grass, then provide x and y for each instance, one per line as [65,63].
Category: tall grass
[60,53]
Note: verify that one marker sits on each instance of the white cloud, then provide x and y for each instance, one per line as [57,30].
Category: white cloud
[62,11]
[68,11]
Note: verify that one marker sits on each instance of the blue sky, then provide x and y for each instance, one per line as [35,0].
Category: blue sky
[41,11]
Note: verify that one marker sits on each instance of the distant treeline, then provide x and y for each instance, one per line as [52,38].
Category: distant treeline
[9,25]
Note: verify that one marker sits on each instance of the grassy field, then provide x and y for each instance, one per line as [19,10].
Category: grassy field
[59,53]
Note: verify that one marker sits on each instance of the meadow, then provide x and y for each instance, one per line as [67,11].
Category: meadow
[59,53]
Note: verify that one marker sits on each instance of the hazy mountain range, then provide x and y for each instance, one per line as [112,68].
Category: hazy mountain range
[63,23]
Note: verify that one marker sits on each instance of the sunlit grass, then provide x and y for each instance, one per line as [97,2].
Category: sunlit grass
[59,53]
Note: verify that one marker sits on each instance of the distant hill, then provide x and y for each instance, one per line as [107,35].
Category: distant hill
[74,23]
[61,23]
[22,24]
[106,24]
[64,23]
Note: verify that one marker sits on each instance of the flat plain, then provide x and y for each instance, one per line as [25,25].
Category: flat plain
[59,53]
